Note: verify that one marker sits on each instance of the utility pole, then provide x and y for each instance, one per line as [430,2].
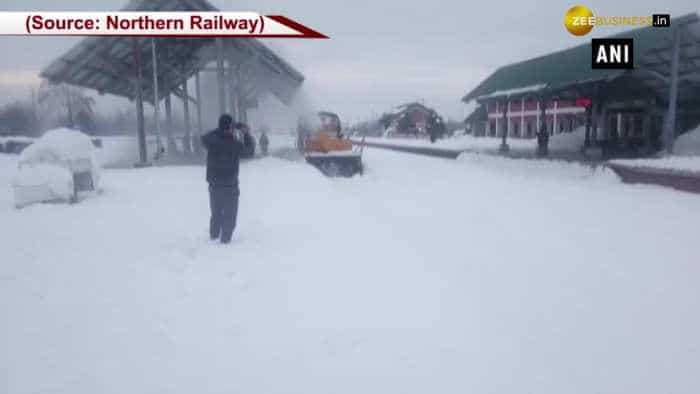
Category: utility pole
[143,158]
[220,80]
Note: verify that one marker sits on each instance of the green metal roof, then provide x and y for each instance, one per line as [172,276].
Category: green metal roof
[571,66]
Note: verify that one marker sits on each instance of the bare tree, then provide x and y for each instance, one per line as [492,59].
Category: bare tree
[78,106]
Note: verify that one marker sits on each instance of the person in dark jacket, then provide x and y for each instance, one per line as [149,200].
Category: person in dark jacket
[225,145]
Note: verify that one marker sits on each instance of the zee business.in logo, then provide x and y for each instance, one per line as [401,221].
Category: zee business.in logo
[579,20]
[612,53]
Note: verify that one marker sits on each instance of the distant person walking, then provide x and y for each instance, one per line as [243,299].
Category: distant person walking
[264,143]
[224,146]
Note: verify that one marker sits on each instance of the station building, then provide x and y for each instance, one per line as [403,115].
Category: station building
[625,112]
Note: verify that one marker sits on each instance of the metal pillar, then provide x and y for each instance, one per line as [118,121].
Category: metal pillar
[542,133]
[220,80]
[670,123]
[232,85]
[504,137]
[198,92]
[156,101]
[172,147]
[143,157]
[186,141]
[587,138]
[522,117]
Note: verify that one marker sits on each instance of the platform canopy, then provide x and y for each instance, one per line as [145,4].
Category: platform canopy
[109,64]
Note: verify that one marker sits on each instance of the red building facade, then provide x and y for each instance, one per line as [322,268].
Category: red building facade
[524,117]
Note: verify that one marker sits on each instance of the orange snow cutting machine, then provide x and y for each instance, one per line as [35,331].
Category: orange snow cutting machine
[328,150]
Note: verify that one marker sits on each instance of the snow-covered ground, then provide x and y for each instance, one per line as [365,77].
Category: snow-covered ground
[481,275]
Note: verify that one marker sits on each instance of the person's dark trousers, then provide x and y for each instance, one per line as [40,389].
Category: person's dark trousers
[223,201]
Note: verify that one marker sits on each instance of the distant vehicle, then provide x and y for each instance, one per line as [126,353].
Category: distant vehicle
[325,147]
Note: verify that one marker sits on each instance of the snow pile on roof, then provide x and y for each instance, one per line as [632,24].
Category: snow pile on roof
[568,142]
[688,144]
[514,91]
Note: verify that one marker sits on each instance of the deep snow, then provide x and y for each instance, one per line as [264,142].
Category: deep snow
[482,275]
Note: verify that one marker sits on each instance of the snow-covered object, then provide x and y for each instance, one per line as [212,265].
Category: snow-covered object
[42,182]
[65,148]
[568,142]
[688,144]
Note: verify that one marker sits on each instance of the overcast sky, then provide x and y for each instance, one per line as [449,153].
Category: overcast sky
[380,53]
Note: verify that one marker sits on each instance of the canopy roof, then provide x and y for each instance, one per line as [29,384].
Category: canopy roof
[570,67]
[108,63]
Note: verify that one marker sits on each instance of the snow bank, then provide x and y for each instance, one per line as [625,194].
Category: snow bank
[685,158]
[556,170]
[459,142]
[121,151]
[568,141]
[673,163]
[688,144]
[564,142]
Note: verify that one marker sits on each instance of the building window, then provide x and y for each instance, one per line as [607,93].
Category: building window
[516,132]
[529,128]
[492,128]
